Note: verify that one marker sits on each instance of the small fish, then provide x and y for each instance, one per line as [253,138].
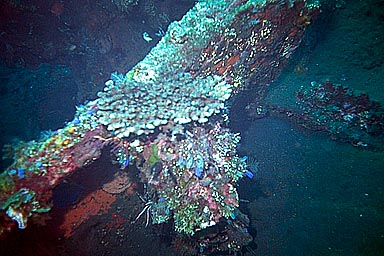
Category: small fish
[21,173]
[76,121]
[244,158]
[146,37]
[90,112]
[12,172]
[126,161]
[249,174]
[198,172]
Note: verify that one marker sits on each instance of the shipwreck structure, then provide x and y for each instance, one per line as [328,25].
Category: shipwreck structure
[165,116]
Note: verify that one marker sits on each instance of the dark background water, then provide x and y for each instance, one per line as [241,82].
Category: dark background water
[317,196]
[311,195]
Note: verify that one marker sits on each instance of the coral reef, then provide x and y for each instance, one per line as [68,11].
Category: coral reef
[158,118]
[194,178]
[148,99]
[346,115]
[40,165]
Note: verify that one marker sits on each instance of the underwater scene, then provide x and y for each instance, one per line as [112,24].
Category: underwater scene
[180,127]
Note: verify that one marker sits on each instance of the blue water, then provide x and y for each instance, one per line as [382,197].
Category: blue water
[316,196]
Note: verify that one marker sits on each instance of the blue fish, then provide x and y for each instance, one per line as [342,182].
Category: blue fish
[198,172]
[249,174]
[127,161]
[21,173]
[76,121]
[244,158]
[90,112]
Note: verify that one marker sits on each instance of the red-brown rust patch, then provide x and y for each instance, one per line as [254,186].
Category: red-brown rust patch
[97,203]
